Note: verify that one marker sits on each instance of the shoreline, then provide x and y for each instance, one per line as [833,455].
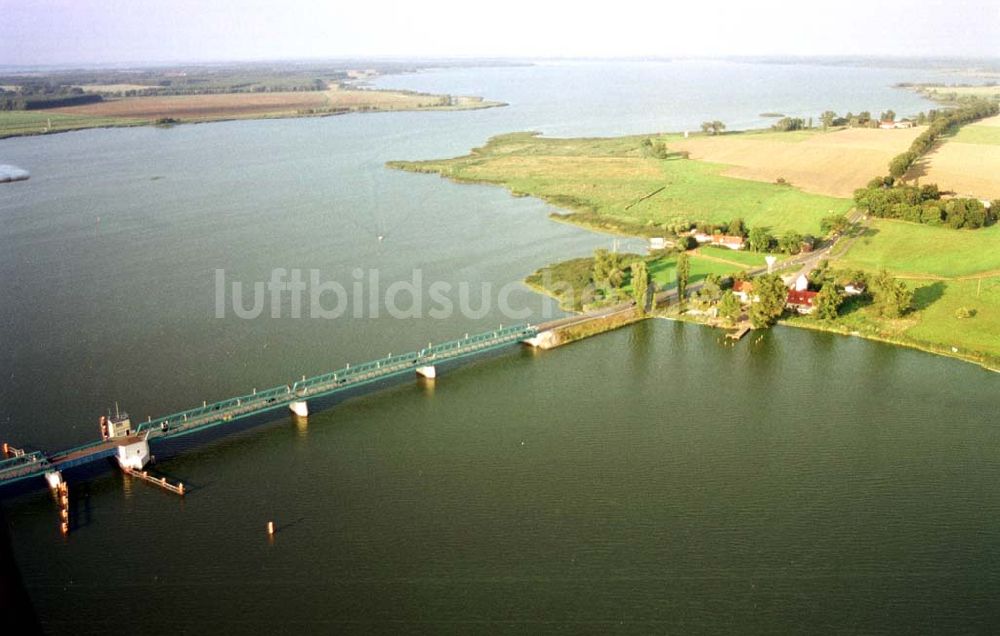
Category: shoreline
[471,103]
[981,360]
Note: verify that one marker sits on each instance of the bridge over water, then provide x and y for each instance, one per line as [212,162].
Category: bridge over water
[131,448]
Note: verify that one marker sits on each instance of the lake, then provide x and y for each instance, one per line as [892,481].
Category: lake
[652,479]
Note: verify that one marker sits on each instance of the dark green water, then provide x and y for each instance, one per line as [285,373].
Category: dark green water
[650,480]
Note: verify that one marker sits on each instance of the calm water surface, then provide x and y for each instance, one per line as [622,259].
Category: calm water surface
[652,479]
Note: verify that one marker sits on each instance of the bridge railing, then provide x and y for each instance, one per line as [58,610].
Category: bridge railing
[13,464]
[286,393]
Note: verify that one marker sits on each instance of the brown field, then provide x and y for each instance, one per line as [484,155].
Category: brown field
[967,163]
[832,163]
[383,100]
[965,169]
[200,106]
[231,105]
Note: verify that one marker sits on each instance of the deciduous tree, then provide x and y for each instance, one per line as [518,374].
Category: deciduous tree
[827,302]
[683,273]
[770,294]
[640,285]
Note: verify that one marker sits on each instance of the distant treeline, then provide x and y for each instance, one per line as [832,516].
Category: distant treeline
[39,96]
[193,87]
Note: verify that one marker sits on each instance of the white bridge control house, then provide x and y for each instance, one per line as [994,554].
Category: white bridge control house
[134,456]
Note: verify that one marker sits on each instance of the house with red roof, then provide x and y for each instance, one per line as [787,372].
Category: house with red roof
[743,289]
[800,301]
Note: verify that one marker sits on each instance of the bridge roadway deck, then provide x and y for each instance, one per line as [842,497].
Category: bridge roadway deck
[35,464]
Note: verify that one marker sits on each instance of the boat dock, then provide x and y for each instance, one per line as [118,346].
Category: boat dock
[739,333]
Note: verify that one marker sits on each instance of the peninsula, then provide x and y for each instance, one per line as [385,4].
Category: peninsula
[719,202]
[34,103]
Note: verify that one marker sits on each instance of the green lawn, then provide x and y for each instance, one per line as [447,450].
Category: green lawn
[30,122]
[978,134]
[743,257]
[566,281]
[911,248]
[934,323]
[664,270]
[938,323]
[612,185]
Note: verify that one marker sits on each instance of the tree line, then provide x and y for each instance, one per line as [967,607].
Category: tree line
[43,95]
[923,204]
[941,124]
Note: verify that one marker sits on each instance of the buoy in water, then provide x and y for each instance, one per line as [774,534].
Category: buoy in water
[270,528]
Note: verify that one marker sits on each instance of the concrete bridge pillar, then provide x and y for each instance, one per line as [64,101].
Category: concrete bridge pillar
[429,371]
[54,478]
[134,456]
[300,408]
[543,340]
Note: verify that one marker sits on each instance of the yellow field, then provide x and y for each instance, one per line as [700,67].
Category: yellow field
[968,164]
[199,106]
[832,163]
[232,105]
[382,100]
[115,88]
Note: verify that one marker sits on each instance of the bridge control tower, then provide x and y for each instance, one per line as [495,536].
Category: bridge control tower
[118,425]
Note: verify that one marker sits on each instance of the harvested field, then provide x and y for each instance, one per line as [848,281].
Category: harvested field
[967,164]
[833,163]
[200,106]
[383,100]
[236,105]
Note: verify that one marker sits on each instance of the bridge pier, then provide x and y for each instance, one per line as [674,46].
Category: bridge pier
[429,371]
[54,478]
[133,456]
[300,408]
[543,340]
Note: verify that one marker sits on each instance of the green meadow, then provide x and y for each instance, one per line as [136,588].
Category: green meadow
[916,249]
[36,122]
[613,185]
[978,134]
[566,281]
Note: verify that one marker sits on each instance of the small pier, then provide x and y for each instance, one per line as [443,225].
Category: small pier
[739,333]
[159,482]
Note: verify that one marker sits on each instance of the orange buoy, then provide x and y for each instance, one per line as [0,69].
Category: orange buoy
[270,528]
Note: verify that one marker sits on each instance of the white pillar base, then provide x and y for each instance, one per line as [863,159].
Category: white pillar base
[429,371]
[54,478]
[300,408]
[134,456]
[544,340]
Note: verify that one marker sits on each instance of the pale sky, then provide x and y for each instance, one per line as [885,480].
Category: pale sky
[115,31]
